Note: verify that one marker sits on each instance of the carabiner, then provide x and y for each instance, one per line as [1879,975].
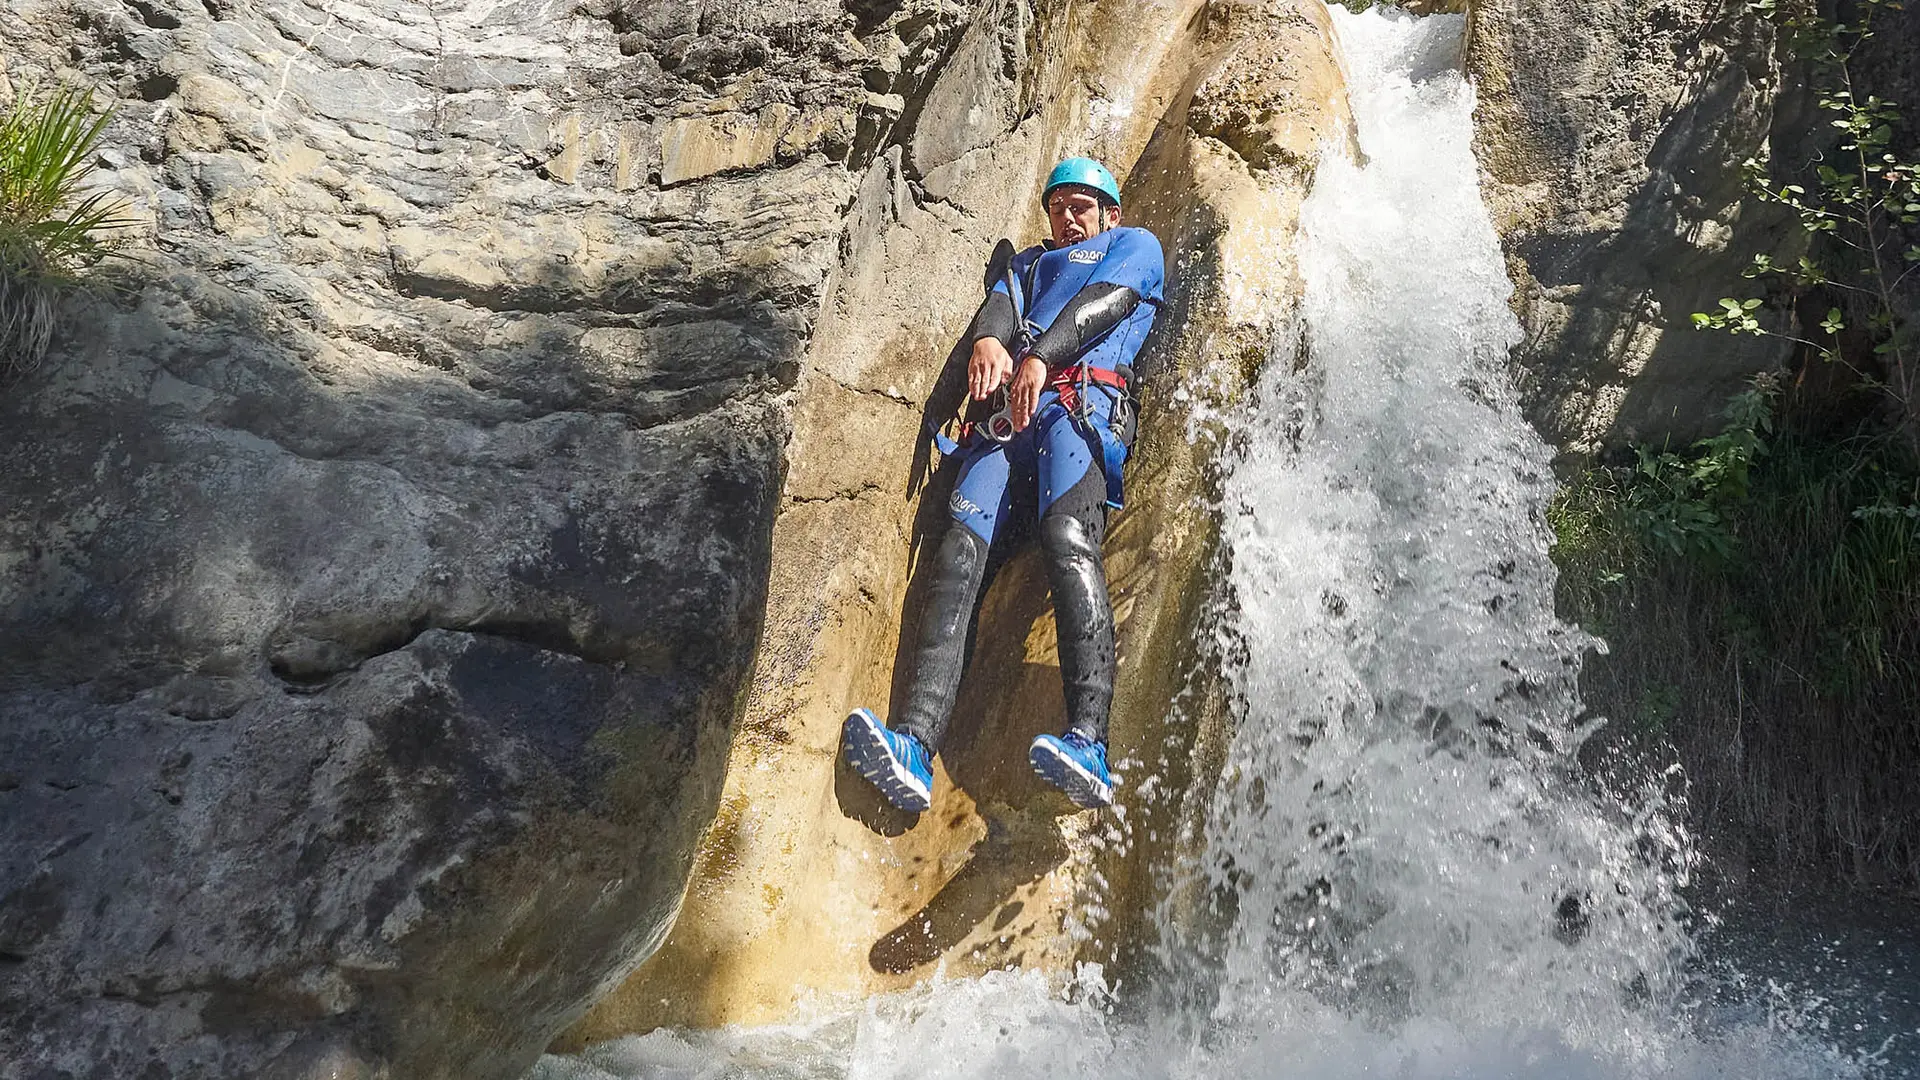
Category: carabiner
[999,427]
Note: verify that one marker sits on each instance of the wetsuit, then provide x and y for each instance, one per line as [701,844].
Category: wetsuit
[1092,302]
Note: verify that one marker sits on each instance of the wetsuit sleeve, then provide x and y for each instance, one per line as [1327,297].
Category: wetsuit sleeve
[1094,310]
[1134,259]
[995,318]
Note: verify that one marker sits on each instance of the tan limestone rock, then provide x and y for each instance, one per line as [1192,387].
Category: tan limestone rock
[809,884]
[1272,96]
[695,146]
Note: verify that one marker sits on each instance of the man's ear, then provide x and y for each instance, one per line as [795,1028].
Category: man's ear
[1112,214]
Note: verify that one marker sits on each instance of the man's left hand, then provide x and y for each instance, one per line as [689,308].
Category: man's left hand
[1023,393]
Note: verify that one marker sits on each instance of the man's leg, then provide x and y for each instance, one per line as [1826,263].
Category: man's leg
[985,508]
[940,651]
[1071,531]
[896,758]
[1073,518]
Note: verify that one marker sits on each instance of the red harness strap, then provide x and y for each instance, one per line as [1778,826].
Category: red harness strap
[1066,382]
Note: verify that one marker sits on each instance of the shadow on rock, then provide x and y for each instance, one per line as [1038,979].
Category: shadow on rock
[862,802]
[458,605]
[1016,852]
[1009,695]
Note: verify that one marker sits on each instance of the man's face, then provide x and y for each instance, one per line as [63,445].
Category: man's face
[1075,214]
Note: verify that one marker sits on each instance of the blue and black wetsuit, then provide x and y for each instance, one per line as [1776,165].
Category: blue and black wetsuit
[1092,302]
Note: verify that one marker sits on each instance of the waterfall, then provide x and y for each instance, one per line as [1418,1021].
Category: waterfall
[1403,872]
[1398,827]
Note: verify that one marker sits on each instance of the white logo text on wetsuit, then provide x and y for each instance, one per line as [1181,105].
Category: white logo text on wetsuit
[1085,255]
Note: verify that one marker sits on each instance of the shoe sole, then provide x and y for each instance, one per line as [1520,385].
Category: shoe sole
[868,754]
[1056,768]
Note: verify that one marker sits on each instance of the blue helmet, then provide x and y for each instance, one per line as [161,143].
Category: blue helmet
[1085,172]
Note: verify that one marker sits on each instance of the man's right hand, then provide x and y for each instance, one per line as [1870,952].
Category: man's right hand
[989,369]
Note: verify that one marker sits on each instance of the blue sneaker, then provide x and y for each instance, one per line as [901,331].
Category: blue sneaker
[1076,766]
[893,761]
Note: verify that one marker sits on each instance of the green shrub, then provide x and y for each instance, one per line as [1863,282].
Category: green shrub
[50,227]
[1760,593]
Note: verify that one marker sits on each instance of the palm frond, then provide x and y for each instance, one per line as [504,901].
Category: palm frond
[51,227]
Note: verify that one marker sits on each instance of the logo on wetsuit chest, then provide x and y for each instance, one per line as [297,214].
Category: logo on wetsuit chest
[1085,255]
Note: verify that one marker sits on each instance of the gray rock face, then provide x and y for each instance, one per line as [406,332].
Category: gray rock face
[1612,134]
[381,564]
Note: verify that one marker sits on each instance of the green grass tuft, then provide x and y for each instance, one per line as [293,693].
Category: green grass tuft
[51,228]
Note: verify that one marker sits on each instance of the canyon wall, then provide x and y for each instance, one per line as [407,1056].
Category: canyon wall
[386,548]
[1612,136]
[503,431]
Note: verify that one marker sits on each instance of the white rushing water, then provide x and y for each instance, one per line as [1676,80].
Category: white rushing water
[1397,829]
[1401,875]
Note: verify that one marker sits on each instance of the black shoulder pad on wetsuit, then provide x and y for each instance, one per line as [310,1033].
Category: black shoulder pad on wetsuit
[995,319]
[1093,311]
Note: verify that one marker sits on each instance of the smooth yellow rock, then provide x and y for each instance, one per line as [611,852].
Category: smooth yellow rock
[807,884]
[697,146]
[565,166]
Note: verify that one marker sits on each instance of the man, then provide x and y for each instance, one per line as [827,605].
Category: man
[1060,343]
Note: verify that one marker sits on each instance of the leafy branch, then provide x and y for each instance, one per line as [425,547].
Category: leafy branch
[1855,208]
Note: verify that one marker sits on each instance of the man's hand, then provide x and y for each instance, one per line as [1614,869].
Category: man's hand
[1024,394]
[988,369]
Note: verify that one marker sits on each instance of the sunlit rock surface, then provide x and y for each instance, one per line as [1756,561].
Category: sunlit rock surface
[1612,136]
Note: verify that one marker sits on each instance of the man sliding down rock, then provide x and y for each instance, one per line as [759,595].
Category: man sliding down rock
[1054,343]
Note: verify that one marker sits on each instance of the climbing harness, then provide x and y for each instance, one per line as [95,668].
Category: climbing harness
[1072,383]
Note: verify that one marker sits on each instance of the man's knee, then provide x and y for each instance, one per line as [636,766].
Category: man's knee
[1068,536]
[1076,523]
[962,549]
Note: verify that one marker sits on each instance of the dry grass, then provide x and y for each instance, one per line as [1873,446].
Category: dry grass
[29,301]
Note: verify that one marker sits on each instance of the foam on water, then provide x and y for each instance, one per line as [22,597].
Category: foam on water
[1398,828]
[1402,873]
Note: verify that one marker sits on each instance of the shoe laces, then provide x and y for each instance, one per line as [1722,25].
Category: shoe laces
[1081,744]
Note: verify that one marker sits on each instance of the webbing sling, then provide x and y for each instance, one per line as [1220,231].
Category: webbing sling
[1017,295]
[1070,383]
